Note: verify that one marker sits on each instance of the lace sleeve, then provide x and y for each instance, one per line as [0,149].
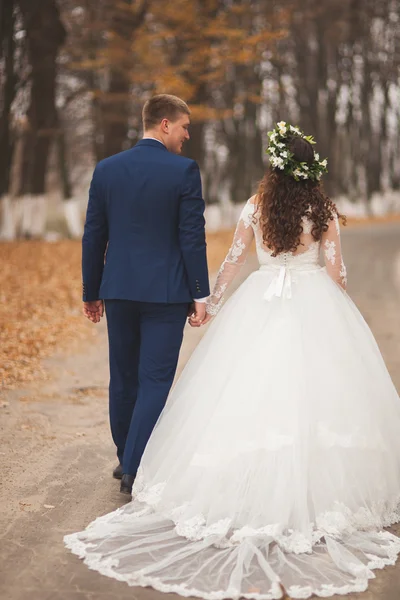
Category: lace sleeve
[333,253]
[234,260]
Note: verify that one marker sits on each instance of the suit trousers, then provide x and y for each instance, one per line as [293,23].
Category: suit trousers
[144,343]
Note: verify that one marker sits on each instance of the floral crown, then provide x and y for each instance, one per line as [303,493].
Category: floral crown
[281,157]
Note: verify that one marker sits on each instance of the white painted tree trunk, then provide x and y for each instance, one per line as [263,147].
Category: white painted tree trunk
[34,216]
[213,217]
[10,218]
[8,229]
[73,217]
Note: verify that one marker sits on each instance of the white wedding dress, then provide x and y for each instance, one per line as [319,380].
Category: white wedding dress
[276,462]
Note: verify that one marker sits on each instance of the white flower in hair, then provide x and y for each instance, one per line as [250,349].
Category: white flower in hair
[278,162]
[316,155]
[295,129]
[300,174]
[282,127]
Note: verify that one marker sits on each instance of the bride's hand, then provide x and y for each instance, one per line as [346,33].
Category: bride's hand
[206,319]
[194,322]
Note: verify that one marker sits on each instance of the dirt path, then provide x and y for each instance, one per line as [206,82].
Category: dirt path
[56,454]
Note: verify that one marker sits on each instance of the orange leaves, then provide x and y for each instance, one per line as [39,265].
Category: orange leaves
[200,113]
[40,304]
[180,47]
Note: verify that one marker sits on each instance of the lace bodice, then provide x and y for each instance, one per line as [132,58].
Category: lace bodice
[305,258]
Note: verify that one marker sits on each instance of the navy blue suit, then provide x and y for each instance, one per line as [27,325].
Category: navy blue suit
[144,253]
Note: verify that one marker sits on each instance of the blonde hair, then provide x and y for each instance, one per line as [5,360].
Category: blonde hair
[163,106]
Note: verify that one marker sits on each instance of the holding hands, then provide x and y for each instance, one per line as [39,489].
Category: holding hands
[197,312]
[198,315]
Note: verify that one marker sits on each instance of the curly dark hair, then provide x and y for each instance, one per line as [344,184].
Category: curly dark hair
[282,202]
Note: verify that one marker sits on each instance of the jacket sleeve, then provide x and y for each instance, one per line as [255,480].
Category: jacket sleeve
[192,237]
[94,241]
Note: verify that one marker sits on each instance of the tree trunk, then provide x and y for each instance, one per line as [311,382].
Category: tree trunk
[8,87]
[71,205]
[45,35]
[194,148]
[63,163]
[114,105]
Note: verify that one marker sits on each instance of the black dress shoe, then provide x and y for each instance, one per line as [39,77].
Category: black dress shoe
[127,483]
[117,473]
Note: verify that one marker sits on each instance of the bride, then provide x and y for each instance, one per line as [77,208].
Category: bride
[275,466]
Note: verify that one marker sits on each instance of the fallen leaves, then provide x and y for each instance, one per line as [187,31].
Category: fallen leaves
[40,306]
[40,303]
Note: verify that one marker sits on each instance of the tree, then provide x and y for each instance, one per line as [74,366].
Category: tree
[45,34]
[241,65]
[8,89]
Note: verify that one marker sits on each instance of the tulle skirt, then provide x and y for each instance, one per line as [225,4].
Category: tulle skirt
[275,465]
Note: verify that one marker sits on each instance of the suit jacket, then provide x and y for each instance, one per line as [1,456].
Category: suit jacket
[144,235]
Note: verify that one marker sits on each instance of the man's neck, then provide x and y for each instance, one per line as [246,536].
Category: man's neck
[154,136]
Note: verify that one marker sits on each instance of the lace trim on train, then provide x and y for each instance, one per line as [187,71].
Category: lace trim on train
[106,566]
[329,528]
[335,523]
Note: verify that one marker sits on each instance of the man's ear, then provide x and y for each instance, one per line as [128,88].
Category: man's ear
[165,126]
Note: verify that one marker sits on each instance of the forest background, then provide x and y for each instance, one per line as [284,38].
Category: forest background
[74,75]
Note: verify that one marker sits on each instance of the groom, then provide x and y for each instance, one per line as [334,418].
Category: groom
[144,255]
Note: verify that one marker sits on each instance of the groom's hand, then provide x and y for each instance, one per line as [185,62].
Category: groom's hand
[197,314]
[206,320]
[93,310]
